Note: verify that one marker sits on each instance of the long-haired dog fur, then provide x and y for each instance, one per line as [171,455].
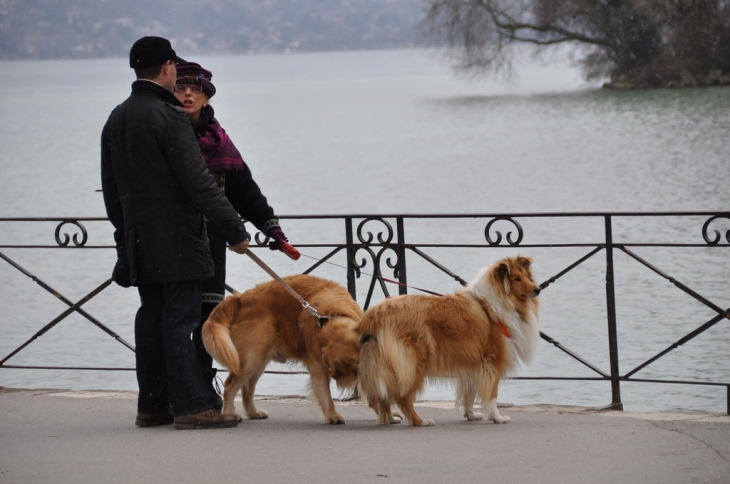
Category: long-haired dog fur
[246,331]
[476,336]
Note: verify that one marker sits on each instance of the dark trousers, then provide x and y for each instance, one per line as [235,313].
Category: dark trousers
[168,370]
[214,291]
[204,358]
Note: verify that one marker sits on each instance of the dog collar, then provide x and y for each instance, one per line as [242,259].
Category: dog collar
[503,329]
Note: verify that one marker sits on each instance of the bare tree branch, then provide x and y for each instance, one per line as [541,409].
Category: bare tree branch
[649,40]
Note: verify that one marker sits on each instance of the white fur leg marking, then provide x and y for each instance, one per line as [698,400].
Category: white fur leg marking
[472,416]
[258,414]
[382,390]
[428,423]
[390,419]
[501,420]
[494,415]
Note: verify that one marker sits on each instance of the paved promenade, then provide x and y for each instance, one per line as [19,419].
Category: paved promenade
[55,436]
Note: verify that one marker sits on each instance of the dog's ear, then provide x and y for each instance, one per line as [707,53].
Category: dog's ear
[503,269]
[327,359]
[524,261]
[341,363]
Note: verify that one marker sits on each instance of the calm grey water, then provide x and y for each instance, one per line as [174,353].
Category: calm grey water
[395,132]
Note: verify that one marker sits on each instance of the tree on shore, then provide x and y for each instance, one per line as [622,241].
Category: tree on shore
[635,43]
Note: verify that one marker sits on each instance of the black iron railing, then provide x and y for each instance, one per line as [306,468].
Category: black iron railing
[374,255]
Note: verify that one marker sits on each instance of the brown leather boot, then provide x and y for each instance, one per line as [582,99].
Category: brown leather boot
[207,419]
[154,419]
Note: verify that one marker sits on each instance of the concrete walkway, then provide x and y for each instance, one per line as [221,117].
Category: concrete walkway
[53,436]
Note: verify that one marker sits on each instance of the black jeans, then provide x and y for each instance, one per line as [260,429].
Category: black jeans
[204,358]
[213,292]
[168,371]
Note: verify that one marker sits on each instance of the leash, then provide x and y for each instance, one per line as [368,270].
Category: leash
[322,319]
[381,278]
[406,285]
[502,327]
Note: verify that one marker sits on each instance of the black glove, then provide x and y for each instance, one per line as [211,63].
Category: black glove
[278,235]
[120,274]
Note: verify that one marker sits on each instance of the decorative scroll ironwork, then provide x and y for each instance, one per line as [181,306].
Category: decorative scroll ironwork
[261,239]
[498,239]
[376,277]
[67,239]
[355,265]
[382,238]
[385,236]
[718,235]
[386,240]
[377,259]
[371,237]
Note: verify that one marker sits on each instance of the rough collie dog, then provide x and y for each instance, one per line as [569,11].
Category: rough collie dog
[476,336]
[246,331]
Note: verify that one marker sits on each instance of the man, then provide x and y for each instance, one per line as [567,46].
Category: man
[159,196]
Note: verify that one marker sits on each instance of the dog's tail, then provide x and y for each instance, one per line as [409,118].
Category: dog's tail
[217,334]
[387,368]
[368,380]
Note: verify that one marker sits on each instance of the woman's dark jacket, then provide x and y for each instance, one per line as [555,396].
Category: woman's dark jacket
[246,197]
[158,192]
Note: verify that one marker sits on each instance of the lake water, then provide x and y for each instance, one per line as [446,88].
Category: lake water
[389,132]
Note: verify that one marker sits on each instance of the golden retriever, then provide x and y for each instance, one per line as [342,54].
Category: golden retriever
[476,335]
[247,330]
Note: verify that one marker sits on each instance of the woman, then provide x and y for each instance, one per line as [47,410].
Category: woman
[194,90]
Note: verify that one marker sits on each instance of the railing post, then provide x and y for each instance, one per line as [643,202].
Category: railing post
[350,251]
[401,251]
[611,314]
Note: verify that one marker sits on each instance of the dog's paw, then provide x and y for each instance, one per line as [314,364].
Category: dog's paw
[390,419]
[239,418]
[258,415]
[501,420]
[335,420]
[428,423]
[472,416]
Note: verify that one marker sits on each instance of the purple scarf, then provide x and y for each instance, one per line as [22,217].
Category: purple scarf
[219,152]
